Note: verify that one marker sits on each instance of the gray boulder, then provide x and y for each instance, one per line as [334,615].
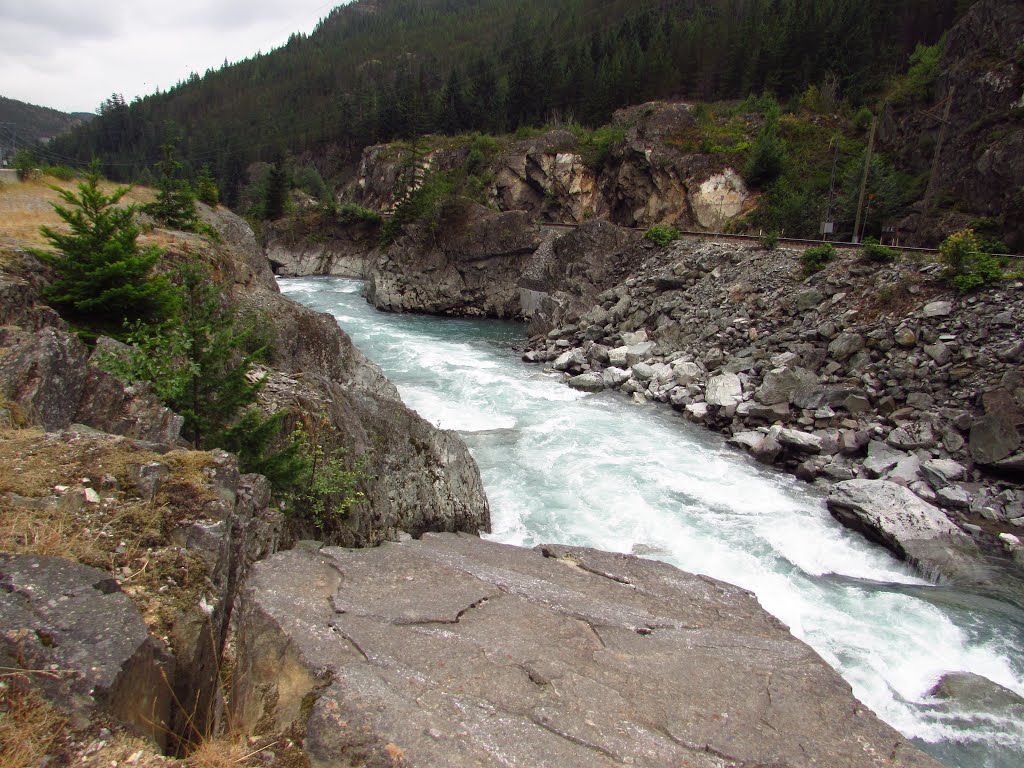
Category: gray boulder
[993,438]
[573,360]
[588,382]
[555,656]
[724,390]
[780,383]
[910,528]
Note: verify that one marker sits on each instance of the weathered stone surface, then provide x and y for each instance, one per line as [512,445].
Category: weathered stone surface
[471,266]
[917,434]
[802,442]
[588,382]
[63,616]
[881,458]
[912,529]
[993,438]
[572,360]
[553,656]
[780,384]
[724,390]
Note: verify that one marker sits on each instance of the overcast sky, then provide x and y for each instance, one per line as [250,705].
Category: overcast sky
[73,54]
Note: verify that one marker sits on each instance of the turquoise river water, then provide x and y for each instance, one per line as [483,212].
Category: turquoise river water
[600,471]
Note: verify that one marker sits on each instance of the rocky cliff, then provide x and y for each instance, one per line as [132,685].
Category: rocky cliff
[981,163]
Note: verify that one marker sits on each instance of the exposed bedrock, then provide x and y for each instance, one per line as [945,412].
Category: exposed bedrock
[553,656]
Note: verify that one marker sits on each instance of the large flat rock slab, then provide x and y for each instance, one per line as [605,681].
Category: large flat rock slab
[455,651]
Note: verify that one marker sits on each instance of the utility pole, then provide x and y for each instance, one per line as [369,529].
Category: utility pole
[8,143]
[944,121]
[864,181]
[828,226]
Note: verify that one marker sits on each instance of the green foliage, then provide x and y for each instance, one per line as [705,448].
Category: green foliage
[275,194]
[768,156]
[661,235]
[308,179]
[158,354]
[875,252]
[888,194]
[219,383]
[327,484]
[206,187]
[350,213]
[24,163]
[422,206]
[175,204]
[968,266]
[598,145]
[815,258]
[101,277]
[862,120]
[918,83]
[451,66]
[770,241]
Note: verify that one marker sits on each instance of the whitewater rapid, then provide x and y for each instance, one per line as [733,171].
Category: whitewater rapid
[600,471]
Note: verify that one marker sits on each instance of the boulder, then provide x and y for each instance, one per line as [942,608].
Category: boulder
[637,353]
[588,382]
[780,383]
[573,360]
[59,615]
[993,437]
[845,345]
[725,390]
[917,434]
[910,528]
[942,472]
[881,458]
[798,441]
[551,656]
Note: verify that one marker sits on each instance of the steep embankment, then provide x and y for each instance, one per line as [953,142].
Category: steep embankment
[94,474]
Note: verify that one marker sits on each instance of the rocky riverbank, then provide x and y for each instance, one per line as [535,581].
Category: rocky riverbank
[874,379]
[124,550]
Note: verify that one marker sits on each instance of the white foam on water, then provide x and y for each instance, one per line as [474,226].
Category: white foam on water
[596,470]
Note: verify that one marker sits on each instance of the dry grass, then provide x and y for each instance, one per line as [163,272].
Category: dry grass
[29,725]
[27,206]
[122,534]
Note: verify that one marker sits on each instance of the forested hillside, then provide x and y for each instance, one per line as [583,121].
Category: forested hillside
[27,123]
[376,70]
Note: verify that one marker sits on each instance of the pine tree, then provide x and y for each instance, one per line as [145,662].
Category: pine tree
[175,204]
[219,386]
[102,277]
[275,198]
[206,187]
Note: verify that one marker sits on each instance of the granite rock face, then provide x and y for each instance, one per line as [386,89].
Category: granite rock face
[55,614]
[548,657]
[469,265]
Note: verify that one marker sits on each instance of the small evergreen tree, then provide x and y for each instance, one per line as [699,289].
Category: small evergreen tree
[219,386]
[275,198]
[102,277]
[175,204]
[206,187]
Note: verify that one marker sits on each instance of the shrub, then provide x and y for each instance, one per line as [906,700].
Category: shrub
[206,187]
[350,213]
[815,258]
[661,235]
[968,266]
[767,158]
[874,251]
[770,241]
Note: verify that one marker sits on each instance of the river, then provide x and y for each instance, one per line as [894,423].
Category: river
[600,471]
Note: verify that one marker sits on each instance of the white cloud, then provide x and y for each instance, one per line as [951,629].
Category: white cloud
[73,54]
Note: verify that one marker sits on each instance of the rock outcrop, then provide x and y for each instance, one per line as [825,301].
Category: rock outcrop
[468,265]
[552,656]
[87,642]
[982,158]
